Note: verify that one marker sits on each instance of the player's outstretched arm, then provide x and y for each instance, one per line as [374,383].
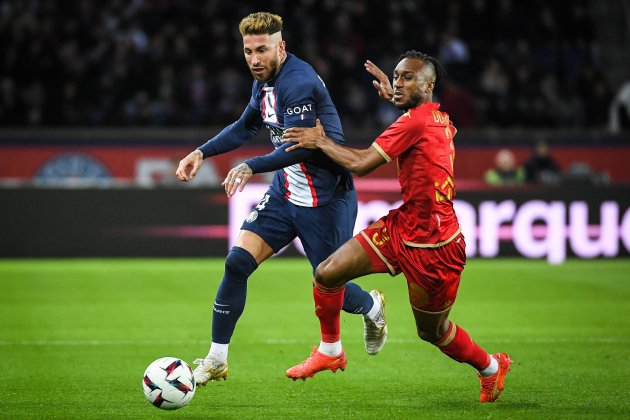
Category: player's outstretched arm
[358,161]
[189,166]
[231,137]
[381,84]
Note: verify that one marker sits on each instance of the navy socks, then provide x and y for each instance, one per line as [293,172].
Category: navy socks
[356,300]
[230,300]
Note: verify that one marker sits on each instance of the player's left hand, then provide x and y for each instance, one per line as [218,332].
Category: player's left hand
[381,84]
[189,166]
[304,137]
[237,178]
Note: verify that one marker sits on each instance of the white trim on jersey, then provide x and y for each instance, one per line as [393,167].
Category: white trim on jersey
[268,103]
[299,184]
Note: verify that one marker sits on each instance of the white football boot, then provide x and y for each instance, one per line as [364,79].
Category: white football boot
[209,370]
[375,332]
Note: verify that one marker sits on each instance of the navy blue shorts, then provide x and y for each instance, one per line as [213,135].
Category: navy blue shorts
[321,229]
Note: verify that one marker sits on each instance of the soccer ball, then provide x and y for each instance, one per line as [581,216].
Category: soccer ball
[169,383]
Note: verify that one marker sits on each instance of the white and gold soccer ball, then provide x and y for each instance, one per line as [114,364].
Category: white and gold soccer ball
[169,383]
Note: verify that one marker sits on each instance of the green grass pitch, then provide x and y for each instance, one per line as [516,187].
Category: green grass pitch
[76,336]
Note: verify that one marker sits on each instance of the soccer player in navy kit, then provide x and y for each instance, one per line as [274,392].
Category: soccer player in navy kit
[311,197]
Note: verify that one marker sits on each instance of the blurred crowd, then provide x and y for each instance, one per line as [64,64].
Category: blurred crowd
[180,62]
[541,168]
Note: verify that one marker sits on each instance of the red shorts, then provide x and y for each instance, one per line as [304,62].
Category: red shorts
[432,273]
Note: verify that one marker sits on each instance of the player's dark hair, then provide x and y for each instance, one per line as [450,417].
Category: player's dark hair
[439,70]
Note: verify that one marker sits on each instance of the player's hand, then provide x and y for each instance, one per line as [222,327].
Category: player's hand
[237,178]
[189,166]
[382,84]
[304,137]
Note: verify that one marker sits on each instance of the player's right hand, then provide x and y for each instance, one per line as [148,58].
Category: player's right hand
[382,84]
[304,137]
[189,166]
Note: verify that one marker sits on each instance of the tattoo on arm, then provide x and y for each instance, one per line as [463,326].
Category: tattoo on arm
[244,168]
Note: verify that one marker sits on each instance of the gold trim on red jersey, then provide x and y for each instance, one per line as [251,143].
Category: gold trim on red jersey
[381,152]
[432,313]
[392,272]
[437,245]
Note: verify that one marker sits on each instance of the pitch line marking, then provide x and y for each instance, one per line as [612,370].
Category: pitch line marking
[99,342]
[272,341]
[603,340]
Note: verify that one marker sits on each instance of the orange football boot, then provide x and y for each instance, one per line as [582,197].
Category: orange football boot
[317,362]
[492,386]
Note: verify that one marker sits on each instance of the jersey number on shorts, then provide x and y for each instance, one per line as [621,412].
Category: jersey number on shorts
[263,202]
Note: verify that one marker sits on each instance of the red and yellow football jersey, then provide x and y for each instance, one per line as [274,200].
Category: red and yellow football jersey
[422,142]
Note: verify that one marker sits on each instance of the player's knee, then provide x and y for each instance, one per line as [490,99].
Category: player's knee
[240,263]
[325,274]
[321,274]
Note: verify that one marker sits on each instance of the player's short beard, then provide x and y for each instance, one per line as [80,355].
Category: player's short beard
[273,69]
[415,99]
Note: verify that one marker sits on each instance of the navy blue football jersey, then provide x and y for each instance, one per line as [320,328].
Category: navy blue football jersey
[296,97]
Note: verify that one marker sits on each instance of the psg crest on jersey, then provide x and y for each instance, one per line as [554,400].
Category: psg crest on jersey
[252,216]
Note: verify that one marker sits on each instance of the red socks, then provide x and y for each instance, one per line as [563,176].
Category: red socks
[458,345]
[328,308]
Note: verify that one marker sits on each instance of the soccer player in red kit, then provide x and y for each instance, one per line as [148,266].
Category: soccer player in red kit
[422,238]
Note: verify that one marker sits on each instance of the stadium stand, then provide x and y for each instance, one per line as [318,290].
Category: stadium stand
[179,62]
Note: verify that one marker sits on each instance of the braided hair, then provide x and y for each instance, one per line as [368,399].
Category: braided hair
[438,69]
